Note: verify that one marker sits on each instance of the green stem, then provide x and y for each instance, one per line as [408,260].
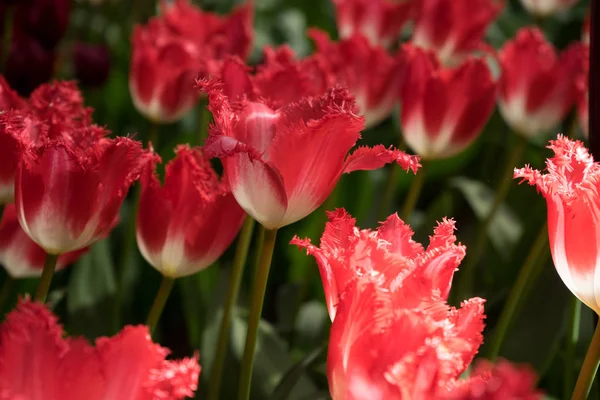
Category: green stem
[204,120]
[8,33]
[239,261]
[589,368]
[153,135]
[44,285]
[159,302]
[516,296]
[7,286]
[413,193]
[467,275]
[572,339]
[258,295]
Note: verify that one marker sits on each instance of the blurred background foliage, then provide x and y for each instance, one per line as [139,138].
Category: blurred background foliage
[290,358]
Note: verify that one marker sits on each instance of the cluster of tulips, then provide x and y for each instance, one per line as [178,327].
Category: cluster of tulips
[286,131]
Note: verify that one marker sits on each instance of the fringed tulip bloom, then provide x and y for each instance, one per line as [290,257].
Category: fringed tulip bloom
[571,186]
[175,48]
[381,286]
[38,362]
[67,197]
[545,8]
[502,381]
[453,29]
[371,75]
[380,21]
[21,256]
[537,86]
[283,163]
[186,225]
[54,110]
[444,110]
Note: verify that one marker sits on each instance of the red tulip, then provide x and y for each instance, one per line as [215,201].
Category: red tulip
[497,382]
[380,286]
[176,223]
[453,29]
[39,362]
[54,111]
[444,110]
[570,187]
[545,8]
[283,163]
[369,73]
[67,197]
[380,21]
[175,48]
[21,256]
[537,87]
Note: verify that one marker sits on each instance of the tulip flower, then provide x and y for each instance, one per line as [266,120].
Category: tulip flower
[68,197]
[453,29]
[283,163]
[176,223]
[175,48]
[21,256]
[369,72]
[380,21]
[380,286]
[45,20]
[545,8]
[444,110]
[570,188]
[39,362]
[537,86]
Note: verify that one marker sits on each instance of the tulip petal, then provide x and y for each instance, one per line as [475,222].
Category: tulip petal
[370,158]
[256,185]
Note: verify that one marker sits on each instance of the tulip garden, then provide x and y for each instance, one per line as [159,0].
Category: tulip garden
[287,199]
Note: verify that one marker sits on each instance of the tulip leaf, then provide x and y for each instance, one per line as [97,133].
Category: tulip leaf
[505,228]
[91,290]
[290,379]
[271,360]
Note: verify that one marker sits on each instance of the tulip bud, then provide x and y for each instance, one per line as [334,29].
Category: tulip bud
[174,49]
[380,21]
[371,75]
[444,110]
[537,86]
[187,224]
[454,29]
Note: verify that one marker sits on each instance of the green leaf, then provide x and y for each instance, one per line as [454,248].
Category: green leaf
[91,290]
[271,360]
[505,228]
[311,324]
[290,379]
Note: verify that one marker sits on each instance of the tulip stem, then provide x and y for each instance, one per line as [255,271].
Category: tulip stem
[44,285]
[5,291]
[467,276]
[159,302]
[8,33]
[572,339]
[413,193]
[261,275]
[204,120]
[239,261]
[589,368]
[527,273]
